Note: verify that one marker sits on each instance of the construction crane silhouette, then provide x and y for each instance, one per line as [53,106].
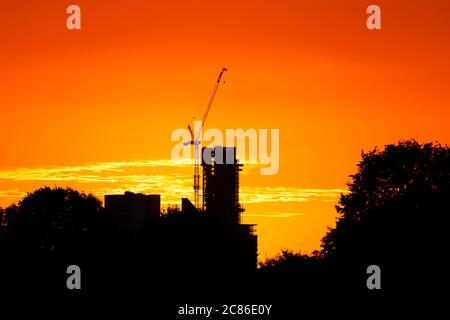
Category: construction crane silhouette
[196,139]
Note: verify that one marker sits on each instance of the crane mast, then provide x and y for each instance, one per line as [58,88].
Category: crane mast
[196,140]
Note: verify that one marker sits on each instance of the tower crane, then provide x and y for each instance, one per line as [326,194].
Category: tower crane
[196,139]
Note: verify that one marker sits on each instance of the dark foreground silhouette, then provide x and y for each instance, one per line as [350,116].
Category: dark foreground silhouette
[393,216]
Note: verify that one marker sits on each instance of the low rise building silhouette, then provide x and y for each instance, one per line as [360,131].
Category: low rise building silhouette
[131,212]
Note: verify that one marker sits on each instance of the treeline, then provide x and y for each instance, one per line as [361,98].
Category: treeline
[393,217]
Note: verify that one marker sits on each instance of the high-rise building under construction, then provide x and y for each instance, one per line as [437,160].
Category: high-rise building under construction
[221,203]
[221,184]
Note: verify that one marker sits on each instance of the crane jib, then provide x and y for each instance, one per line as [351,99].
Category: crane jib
[197,143]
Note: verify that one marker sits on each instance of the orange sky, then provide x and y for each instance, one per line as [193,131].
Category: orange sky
[94,109]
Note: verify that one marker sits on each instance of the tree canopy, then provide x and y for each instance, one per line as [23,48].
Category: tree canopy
[394,215]
[51,219]
[396,204]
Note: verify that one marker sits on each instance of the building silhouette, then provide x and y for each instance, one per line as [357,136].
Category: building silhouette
[221,184]
[221,200]
[131,212]
[212,239]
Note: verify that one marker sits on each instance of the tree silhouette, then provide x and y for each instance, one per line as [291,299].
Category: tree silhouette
[395,211]
[48,230]
[291,262]
[51,220]
[393,215]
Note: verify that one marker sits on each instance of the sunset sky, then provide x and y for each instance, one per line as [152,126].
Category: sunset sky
[94,108]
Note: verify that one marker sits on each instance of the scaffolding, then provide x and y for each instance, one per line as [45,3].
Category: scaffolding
[221,184]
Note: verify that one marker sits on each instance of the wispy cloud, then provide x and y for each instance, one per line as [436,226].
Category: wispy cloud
[171,179]
[276,214]
[287,194]
[11,193]
[86,173]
